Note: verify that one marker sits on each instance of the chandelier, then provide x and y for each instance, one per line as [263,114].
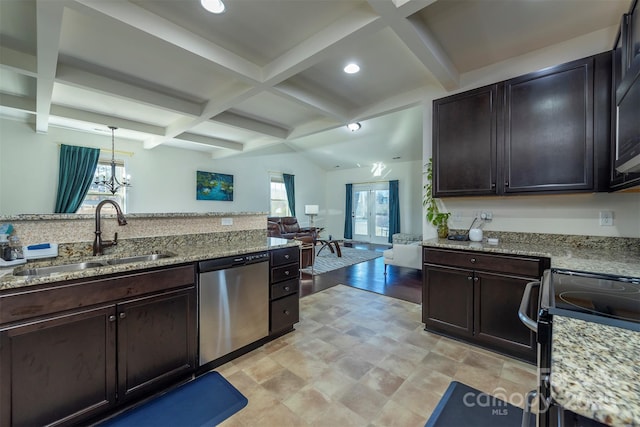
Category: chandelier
[112,184]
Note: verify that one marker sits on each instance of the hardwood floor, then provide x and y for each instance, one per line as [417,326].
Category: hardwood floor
[400,282]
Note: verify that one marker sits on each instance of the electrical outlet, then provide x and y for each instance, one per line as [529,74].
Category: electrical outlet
[226,221]
[606,218]
[456,216]
[486,215]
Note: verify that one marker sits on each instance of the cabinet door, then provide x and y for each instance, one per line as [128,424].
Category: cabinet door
[549,130]
[156,341]
[59,369]
[496,322]
[464,143]
[447,300]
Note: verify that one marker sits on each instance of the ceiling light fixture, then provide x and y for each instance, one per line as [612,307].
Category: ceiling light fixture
[213,6]
[351,68]
[112,184]
[354,126]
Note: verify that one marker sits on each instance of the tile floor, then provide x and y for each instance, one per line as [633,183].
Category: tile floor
[362,359]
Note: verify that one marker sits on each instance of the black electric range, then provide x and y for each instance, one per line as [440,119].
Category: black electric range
[607,299]
[601,298]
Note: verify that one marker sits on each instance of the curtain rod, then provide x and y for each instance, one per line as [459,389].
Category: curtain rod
[105,150]
[371,182]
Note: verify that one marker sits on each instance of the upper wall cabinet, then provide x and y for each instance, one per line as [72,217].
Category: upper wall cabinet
[466,163]
[533,133]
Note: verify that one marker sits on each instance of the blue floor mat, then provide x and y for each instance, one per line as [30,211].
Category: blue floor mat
[206,401]
[462,405]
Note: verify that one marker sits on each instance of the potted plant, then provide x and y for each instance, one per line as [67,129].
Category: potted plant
[434,216]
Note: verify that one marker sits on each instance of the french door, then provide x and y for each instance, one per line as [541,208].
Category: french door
[370,214]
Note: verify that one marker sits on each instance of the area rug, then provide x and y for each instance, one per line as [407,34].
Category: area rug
[206,401]
[328,261]
[462,405]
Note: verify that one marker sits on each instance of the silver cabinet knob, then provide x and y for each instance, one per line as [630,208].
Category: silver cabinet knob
[123,315]
[112,318]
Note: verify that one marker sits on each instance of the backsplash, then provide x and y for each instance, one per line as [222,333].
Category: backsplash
[577,241]
[33,229]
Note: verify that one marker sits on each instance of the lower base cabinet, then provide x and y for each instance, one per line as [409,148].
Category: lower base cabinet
[67,368]
[475,297]
[284,281]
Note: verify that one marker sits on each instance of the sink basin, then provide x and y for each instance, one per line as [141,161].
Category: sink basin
[64,268]
[139,258]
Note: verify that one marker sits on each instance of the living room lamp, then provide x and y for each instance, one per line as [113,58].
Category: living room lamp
[311,210]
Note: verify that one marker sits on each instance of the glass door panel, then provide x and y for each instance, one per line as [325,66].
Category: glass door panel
[371,212]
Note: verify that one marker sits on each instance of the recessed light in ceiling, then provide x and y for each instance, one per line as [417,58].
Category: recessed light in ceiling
[213,6]
[351,68]
[354,126]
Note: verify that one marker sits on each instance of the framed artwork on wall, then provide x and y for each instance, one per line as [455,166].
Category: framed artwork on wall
[214,186]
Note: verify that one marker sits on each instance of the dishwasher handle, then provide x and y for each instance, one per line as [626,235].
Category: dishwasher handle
[524,305]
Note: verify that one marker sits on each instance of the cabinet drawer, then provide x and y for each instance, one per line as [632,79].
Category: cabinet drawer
[285,256]
[285,272]
[284,288]
[284,313]
[508,264]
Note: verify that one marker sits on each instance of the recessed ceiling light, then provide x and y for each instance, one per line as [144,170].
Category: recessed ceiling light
[213,6]
[354,126]
[351,68]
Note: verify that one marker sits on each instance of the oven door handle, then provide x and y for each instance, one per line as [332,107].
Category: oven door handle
[524,305]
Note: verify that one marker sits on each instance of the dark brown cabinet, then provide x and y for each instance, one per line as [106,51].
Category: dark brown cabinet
[548,132]
[475,297]
[284,282]
[79,349]
[464,126]
[156,341]
[59,368]
[544,132]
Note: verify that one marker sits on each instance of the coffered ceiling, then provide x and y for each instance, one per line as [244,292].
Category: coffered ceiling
[266,74]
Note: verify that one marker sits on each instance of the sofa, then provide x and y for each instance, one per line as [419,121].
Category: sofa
[406,251]
[287,227]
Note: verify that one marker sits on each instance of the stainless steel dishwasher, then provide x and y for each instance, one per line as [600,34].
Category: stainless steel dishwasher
[233,303]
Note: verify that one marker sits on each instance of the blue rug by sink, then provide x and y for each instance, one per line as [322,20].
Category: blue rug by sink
[462,405]
[206,401]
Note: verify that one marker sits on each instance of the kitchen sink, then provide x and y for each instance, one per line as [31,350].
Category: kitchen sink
[64,268]
[139,258]
[79,266]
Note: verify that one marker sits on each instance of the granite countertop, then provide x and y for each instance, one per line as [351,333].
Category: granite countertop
[183,254]
[581,376]
[623,261]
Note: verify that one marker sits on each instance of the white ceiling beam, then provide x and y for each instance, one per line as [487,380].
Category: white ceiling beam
[22,103]
[143,20]
[306,99]
[213,142]
[248,123]
[352,27]
[49,26]
[104,119]
[222,100]
[76,77]
[419,39]
[19,62]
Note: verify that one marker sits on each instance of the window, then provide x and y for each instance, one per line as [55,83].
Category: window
[279,201]
[98,193]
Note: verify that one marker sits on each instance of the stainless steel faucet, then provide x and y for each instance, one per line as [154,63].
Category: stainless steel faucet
[98,243]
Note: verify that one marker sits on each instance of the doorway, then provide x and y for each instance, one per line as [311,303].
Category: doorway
[370,215]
